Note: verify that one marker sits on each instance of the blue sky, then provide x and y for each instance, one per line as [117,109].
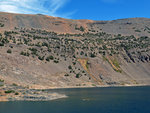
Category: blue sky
[80,9]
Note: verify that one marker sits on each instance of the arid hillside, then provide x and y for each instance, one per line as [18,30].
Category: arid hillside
[39,51]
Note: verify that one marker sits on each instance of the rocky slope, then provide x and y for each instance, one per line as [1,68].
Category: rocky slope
[39,51]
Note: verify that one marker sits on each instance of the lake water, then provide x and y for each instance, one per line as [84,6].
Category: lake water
[88,100]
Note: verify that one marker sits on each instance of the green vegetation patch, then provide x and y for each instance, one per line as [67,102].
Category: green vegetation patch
[81,28]
[1,80]
[1,25]
[137,30]
[49,58]
[9,51]
[10,91]
[114,63]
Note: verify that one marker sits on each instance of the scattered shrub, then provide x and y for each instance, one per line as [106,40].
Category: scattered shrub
[9,51]
[16,93]
[69,67]
[9,91]
[66,75]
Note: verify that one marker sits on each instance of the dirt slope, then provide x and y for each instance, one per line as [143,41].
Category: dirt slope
[40,51]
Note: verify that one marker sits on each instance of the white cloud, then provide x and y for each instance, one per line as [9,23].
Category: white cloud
[11,8]
[49,7]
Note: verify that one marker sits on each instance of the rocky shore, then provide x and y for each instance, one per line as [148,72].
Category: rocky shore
[19,93]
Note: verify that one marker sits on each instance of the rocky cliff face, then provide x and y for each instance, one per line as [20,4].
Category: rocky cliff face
[39,51]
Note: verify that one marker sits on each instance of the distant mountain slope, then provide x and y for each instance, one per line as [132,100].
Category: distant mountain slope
[136,26]
[40,51]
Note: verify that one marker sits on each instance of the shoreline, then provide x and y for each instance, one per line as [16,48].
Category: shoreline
[100,86]
[50,93]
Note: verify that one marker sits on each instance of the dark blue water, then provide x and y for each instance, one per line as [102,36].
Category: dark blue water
[89,100]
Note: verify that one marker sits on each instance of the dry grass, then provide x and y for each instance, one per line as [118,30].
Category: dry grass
[85,65]
[114,63]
